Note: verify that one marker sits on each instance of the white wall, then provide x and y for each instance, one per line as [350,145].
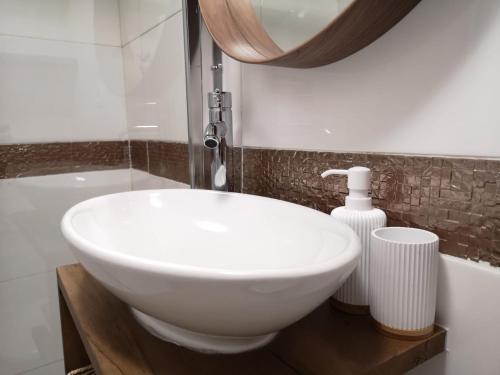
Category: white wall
[61,76]
[139,16]
[154,69]
[31,247]
[469,306]
[93,22]
[428,86]
[62,79]
[431,85]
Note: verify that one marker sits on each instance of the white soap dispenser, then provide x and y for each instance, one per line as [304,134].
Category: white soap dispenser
[359,214]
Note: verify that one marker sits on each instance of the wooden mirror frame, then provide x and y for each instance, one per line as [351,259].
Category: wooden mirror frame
[236,29]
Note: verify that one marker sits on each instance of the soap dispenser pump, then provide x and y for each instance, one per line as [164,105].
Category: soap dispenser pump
[359,214]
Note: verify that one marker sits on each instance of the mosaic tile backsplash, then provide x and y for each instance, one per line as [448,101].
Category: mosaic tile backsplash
[36,159]
[458,199]
[165,159]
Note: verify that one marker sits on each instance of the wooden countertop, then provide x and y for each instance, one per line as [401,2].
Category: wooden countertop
[99,328]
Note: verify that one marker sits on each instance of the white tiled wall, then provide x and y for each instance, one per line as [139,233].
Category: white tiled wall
[63,72]
[31,247]
[61,76]
[154,70]
[62,79]
[84,21]
[469,306]
[59,91]
[139,16]
[428,86]
[30,334]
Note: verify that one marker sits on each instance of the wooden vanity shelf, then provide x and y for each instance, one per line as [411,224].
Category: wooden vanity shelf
[98,329]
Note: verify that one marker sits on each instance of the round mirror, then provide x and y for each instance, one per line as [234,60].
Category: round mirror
[299,33]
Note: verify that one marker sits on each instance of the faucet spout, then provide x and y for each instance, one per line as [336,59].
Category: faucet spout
[218,136]
[214,133]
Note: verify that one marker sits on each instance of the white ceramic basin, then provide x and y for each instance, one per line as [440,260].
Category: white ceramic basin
[216,272]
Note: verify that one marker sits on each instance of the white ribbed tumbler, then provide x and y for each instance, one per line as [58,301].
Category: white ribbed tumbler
[403,280]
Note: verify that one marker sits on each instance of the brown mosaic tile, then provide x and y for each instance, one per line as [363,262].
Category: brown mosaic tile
[20,160]
[139,155]
[100,155]
[169,159]
[458,199]
[236,168]
[34,159]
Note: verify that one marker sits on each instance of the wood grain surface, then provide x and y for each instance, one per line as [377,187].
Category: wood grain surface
[238,32]
[325,342]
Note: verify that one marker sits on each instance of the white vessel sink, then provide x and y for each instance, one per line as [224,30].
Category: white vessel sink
[212,271]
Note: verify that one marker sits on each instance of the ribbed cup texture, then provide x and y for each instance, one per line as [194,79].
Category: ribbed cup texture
[355,290]
[403,281]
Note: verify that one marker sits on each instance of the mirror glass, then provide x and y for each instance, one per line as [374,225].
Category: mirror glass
[292,22]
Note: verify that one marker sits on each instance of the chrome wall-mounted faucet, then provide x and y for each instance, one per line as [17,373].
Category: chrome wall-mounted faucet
[218,132]
[218,136]
[220,117]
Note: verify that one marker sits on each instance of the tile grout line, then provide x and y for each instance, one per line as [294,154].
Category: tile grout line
[27,276]
[151,28]
[382,153]
[147,156]
[59,40]
[39,367]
